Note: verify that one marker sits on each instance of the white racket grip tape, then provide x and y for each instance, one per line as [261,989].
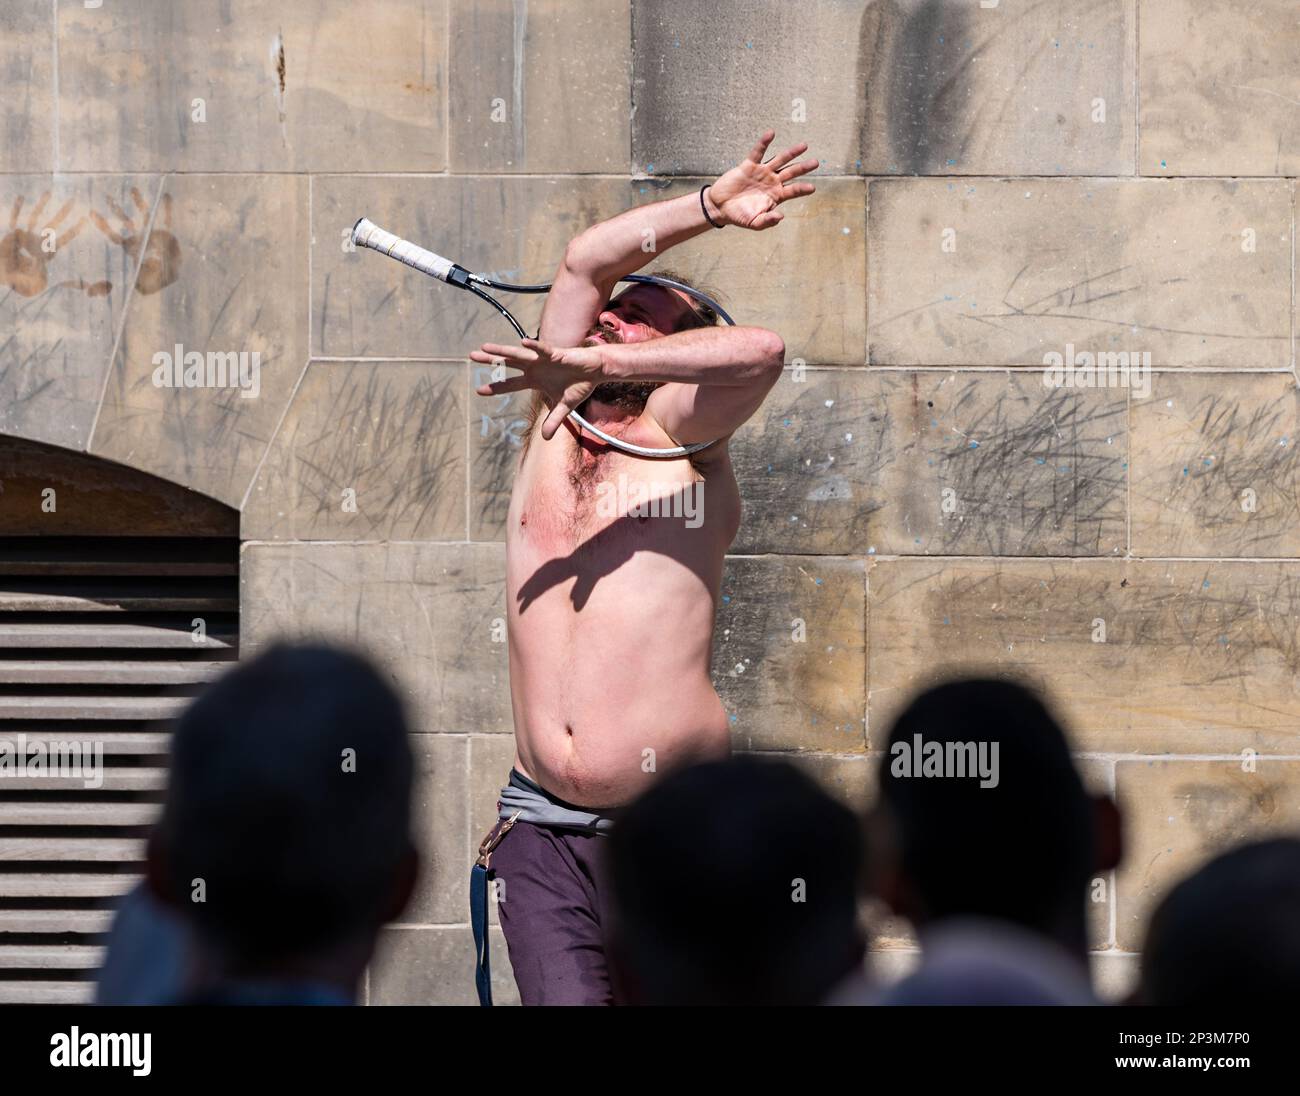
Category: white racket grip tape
[366,233]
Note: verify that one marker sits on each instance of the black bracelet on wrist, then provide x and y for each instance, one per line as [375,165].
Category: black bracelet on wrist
[706,208]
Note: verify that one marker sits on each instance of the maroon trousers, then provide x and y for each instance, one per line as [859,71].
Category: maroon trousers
[553,904]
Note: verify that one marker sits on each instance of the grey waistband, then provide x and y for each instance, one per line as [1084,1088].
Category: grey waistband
[534,804]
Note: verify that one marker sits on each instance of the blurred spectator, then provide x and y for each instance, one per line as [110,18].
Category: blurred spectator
[975,961]
[1229,934]
[734,883]
[146,955]
[985,839]
[285,841]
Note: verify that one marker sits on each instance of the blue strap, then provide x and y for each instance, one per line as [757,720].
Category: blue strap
[478,919]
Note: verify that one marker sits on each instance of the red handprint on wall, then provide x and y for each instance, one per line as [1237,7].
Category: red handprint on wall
[25,253]
[160,257]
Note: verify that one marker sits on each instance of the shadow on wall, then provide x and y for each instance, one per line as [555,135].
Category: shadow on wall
[908,94]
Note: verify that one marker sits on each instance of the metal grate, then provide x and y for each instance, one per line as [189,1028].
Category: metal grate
[98,645]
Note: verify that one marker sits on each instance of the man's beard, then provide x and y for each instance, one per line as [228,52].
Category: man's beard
[625,395]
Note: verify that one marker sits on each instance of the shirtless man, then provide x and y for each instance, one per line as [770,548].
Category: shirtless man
[611,610]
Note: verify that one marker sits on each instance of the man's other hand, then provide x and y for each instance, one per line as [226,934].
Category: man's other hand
[749,193]
[565,375]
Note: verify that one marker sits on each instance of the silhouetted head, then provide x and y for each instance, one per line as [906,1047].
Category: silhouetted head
[1229,934]
[982,813]
[286,829]
[734,882]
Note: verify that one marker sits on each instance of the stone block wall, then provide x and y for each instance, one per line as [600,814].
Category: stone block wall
[1002,180]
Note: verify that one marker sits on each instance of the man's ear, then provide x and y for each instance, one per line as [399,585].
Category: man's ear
[157,872]
[884,876]
[408,873]
[1108,831]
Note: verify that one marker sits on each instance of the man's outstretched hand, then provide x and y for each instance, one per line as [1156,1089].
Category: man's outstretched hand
[564,375]
[749,193]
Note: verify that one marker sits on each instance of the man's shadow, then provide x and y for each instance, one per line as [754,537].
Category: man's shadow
[604,552]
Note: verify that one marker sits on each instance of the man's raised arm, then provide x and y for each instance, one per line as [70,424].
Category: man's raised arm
[597,258]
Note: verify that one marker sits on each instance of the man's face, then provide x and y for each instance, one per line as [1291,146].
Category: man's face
[636,315]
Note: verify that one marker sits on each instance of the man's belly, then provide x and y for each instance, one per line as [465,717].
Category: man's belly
[607,754]
[611,695]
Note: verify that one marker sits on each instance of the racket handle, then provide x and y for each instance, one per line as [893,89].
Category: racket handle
[366,233]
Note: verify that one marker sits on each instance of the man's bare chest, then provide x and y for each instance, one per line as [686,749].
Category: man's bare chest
[582,500]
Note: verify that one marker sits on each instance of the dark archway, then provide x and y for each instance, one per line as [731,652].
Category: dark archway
[119,598]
